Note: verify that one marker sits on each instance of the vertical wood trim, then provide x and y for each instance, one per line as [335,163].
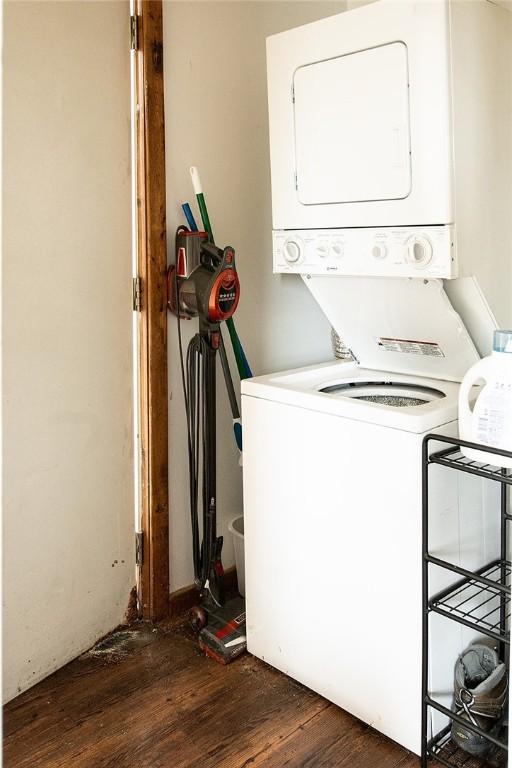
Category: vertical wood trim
[152,264]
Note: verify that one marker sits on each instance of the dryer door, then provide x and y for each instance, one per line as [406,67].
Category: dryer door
[352,132]
[360,119]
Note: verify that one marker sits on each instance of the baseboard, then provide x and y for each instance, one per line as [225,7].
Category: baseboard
[183,599]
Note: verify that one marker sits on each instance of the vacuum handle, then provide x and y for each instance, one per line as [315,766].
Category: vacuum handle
[213,254]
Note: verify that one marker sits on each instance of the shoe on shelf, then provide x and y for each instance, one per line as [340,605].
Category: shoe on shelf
[497,757]
[480,697]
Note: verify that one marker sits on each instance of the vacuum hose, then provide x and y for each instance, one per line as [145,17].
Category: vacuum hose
[199,387]
[195,388]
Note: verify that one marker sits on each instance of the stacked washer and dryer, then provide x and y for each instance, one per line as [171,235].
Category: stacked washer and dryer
[391,164]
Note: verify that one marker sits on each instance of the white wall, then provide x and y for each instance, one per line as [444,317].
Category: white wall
[216,118]
[482,93]
[67,441]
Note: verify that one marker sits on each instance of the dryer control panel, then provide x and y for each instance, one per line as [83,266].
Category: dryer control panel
[378,252]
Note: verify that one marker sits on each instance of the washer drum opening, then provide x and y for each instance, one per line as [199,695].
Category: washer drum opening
[397,394]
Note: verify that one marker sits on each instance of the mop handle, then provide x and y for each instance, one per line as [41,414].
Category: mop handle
[235,412]
[189,217]
[198,189]
[228,380]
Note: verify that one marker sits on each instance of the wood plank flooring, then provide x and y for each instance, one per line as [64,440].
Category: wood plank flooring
[147,698]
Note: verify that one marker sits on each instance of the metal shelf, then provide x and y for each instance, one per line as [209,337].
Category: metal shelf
[445,751]
[454,458]
[480,600]
[483,606]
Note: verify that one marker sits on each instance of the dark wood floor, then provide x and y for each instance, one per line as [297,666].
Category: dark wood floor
[147,698]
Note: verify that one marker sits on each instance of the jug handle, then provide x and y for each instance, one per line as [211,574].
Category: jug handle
[475,375]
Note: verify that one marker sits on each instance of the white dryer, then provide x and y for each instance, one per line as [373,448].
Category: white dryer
[332,503]
[390,145]
[359,110]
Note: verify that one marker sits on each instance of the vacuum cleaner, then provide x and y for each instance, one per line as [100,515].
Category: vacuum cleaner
[204,284]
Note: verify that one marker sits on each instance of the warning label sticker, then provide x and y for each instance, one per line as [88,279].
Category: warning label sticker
[410,347]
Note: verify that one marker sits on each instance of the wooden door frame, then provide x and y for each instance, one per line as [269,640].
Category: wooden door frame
[153,575]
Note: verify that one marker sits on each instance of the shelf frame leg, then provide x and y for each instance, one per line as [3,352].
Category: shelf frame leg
[503,617]
[425,611]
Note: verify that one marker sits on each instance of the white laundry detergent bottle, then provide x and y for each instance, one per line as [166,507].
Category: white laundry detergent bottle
[490,420]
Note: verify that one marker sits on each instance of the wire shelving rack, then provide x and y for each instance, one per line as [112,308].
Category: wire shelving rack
[479,600]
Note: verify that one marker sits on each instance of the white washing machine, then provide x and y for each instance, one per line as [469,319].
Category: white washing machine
[332,501]
[375,183]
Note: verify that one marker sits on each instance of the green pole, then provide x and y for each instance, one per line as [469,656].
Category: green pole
[204,215]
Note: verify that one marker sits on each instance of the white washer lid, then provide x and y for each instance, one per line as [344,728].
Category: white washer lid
[405,325]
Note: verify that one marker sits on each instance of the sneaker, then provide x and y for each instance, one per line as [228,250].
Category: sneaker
[480,696]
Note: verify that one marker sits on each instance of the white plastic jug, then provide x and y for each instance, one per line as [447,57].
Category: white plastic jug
[490,420]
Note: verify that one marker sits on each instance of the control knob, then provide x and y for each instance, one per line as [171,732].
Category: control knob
[419,251]
[293,251]
[379,251]
[337,249]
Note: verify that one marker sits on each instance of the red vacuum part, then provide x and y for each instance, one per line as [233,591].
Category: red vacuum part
[224,296]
